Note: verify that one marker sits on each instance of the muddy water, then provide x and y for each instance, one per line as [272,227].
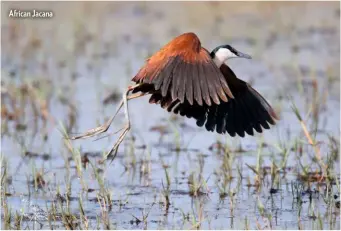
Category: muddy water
[88,50]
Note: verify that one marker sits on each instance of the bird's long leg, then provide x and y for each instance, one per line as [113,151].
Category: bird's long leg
[103,128]
[126,128]
[133,96]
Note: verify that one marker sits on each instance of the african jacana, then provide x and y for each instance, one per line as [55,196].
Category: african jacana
[188,80]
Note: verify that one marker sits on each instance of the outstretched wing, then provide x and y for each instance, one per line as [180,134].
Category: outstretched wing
[248,110]
[185,71]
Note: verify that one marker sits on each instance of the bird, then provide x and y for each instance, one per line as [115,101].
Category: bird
[186,79]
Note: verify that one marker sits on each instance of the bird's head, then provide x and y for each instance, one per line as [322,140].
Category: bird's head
[224,52]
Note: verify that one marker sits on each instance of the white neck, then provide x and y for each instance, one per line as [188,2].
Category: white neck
[218,61]
[222,55]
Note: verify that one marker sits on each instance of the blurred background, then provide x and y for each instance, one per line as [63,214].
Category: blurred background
[66,74]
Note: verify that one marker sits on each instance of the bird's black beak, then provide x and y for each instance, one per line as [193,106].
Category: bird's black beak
[243,55]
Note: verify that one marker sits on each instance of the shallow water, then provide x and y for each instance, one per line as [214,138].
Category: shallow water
[294,46]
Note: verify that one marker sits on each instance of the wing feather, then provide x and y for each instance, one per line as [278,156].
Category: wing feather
[179,66]
[211,118]
[223,89]
[155,98]
[230,119]
[163,77]
[168,75]
[172,105]
[176,81]
[221,120]
[250,120]
[197,85]
[190,82]
[183,77]
[211,83]
[205,95]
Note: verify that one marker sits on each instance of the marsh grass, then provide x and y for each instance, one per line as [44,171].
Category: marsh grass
[166,188]
[104,193]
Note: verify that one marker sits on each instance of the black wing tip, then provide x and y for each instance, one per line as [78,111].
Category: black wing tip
[274,115]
